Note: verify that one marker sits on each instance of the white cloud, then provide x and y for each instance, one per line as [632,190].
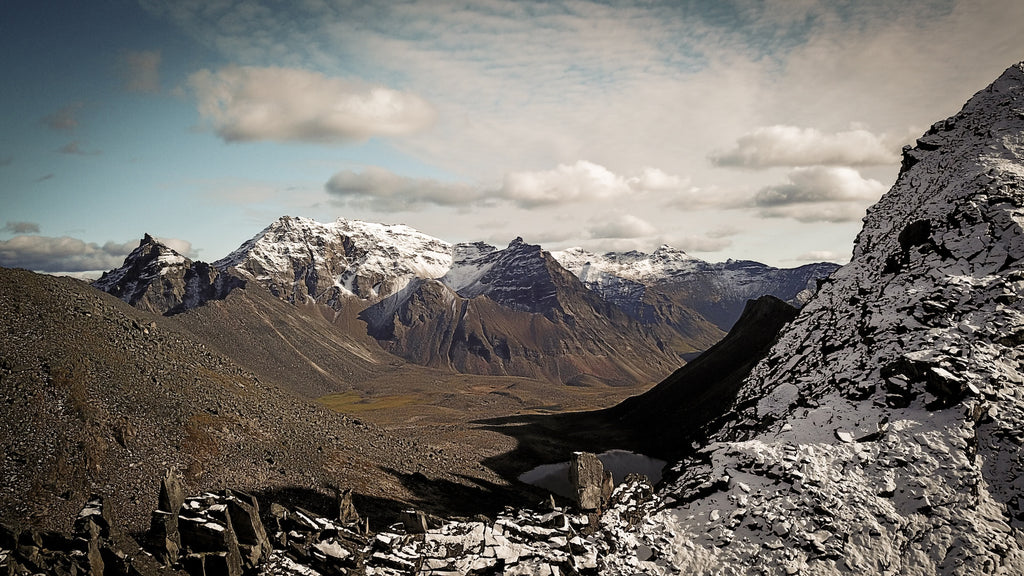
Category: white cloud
[566,184]
[822,256]
[622,226]
[183,247]
[140,71]
[820,194]
[582,181]
[386,191]
[792,146]
[821,184]
[64,254]
[286,104]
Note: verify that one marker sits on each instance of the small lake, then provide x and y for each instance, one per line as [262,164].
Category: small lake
[555,477]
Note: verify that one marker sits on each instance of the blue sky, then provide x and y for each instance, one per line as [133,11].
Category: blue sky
[729,129]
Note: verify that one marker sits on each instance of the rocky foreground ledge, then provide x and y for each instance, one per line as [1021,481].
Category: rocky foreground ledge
[229,533]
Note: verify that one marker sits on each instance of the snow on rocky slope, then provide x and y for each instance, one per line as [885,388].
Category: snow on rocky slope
[883,432]
[300,259]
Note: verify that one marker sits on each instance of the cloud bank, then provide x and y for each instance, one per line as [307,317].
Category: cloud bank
[780,145]
[245,104]
[63,254]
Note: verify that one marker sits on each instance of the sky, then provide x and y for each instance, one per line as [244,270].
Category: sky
[740,129]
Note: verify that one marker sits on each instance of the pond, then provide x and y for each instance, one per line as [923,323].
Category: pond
[555,477]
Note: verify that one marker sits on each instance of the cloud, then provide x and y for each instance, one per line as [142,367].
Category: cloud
[64,254]
[244,104]
[580,182]
[183,247]
[6,161]
[140,71]
[21,227]
[820,194]
[822,256]
[622,226]
[780,145]
[73,147]
[568,183]
[698,243]
[385,190]
[821,184]
[65,119]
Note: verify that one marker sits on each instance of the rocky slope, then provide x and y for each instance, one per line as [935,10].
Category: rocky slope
[99,397]
[666,285]
[882,434]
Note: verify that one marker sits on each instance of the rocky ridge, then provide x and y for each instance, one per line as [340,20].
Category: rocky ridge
[156,278]
[882,432]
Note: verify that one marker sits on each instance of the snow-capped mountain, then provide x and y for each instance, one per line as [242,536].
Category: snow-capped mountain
[301,260]
[516,311]
[154,277]
[882,433]
[474,303]
[642,284]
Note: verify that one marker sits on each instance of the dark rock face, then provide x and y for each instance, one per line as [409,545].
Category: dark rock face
[156,278]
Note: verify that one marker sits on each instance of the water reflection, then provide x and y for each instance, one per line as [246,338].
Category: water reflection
[555,477]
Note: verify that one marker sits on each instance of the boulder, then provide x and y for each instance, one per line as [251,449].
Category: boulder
[586,477]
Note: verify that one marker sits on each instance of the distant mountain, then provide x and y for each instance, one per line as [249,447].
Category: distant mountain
[655,288]
[473,308]
[156,278]
[518,312]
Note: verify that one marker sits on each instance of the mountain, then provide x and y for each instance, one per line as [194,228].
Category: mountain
[100,397]
[882,432]
[517,312]
[656,288]
[302,260]
[471,308]
[156,278]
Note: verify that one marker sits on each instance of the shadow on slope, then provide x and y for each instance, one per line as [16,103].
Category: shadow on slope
[664,421]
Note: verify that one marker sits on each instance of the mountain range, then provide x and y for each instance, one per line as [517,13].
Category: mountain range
[569,317]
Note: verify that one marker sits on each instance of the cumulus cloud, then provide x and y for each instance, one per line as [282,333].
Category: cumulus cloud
[622,226]
[582,181]
[183,247]
[821,184]
[820,194]
[385,190]
[245,104]
[64,254]
[65,119]
[21,227]
[140,71]
[780,145]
